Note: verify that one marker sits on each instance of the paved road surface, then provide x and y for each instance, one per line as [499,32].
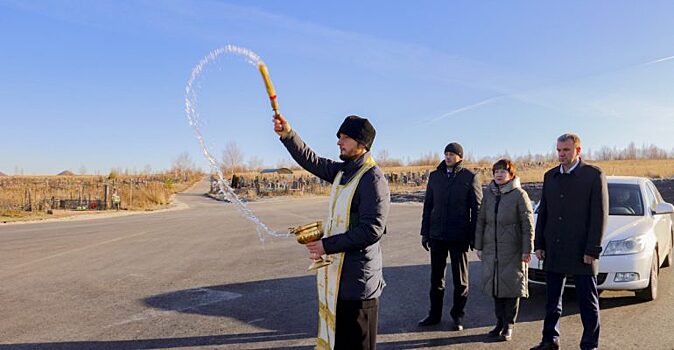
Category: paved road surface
[200,278]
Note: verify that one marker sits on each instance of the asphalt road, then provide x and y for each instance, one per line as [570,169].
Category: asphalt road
[201,278]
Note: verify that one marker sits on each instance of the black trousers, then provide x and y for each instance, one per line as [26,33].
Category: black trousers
[458,255]
[588,303]
[506,310]
[356,324]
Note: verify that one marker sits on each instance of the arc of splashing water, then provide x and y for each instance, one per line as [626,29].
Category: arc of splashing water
[193,117]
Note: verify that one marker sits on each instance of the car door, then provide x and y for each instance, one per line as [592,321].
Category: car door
[661,223]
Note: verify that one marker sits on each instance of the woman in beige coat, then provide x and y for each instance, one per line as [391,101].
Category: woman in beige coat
[504,241]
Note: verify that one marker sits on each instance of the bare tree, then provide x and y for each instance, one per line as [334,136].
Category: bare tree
[382,156]
[430,158]
[183,165]
[232,157]
[255,163]
[83,170]
[604,153]
[383,159]
[653,152]
[468,158]
[630,152]
[183,161]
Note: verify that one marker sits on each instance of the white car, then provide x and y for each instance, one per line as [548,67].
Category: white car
[637,241]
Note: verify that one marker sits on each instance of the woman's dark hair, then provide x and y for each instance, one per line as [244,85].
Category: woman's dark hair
[505,164]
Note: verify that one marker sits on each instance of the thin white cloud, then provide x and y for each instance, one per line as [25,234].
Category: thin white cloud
[561,91]
[659,60]
[463,109]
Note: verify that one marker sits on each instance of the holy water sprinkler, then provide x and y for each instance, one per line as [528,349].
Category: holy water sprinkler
[270,87]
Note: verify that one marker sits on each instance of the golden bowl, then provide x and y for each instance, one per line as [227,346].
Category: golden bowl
[310,233]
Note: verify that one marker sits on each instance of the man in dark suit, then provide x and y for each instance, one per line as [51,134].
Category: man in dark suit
[572,215]
[453,197]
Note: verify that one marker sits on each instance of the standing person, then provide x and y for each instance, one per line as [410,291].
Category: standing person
[504,240]
[572,215]
[452,201]
[349,288]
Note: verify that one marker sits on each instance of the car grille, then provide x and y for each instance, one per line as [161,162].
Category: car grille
[539,276]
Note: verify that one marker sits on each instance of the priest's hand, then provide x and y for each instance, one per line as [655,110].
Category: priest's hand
[316,248]
[281,126]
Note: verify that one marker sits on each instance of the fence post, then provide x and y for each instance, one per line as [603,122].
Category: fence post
[106,193]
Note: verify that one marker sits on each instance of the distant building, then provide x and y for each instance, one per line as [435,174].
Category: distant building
[283,171]
[66,173]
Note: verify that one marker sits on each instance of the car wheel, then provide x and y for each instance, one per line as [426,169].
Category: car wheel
[668,259]
[651,292]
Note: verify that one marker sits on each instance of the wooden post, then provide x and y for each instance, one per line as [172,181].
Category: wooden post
[106,195]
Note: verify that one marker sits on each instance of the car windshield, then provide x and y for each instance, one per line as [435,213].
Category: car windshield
[625,200]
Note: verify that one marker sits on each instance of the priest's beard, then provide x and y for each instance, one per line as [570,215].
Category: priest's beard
[350,158]
[347,158]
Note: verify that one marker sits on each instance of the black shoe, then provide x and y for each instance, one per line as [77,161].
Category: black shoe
[546,346]
[506,334]
[429,321]
[458,323]
[496,332]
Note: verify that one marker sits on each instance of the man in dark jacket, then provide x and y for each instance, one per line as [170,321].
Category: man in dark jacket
[572,215]
[359,206]
[452,201]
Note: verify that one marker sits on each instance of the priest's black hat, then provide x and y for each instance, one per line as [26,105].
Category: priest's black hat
[359,129]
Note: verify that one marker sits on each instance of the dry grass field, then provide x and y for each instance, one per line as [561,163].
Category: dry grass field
[652,168]
[412,178]
[34,197]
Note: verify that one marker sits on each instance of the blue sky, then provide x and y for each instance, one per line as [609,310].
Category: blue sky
[101,84]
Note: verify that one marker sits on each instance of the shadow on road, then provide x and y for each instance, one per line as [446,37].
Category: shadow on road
[166,343]
[287,308]
[191,194]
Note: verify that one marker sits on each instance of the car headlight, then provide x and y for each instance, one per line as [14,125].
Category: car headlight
[631,245]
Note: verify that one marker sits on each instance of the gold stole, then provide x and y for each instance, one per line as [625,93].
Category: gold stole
[327,278]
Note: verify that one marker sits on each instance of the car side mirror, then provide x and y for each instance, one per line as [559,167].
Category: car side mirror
[664,208]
